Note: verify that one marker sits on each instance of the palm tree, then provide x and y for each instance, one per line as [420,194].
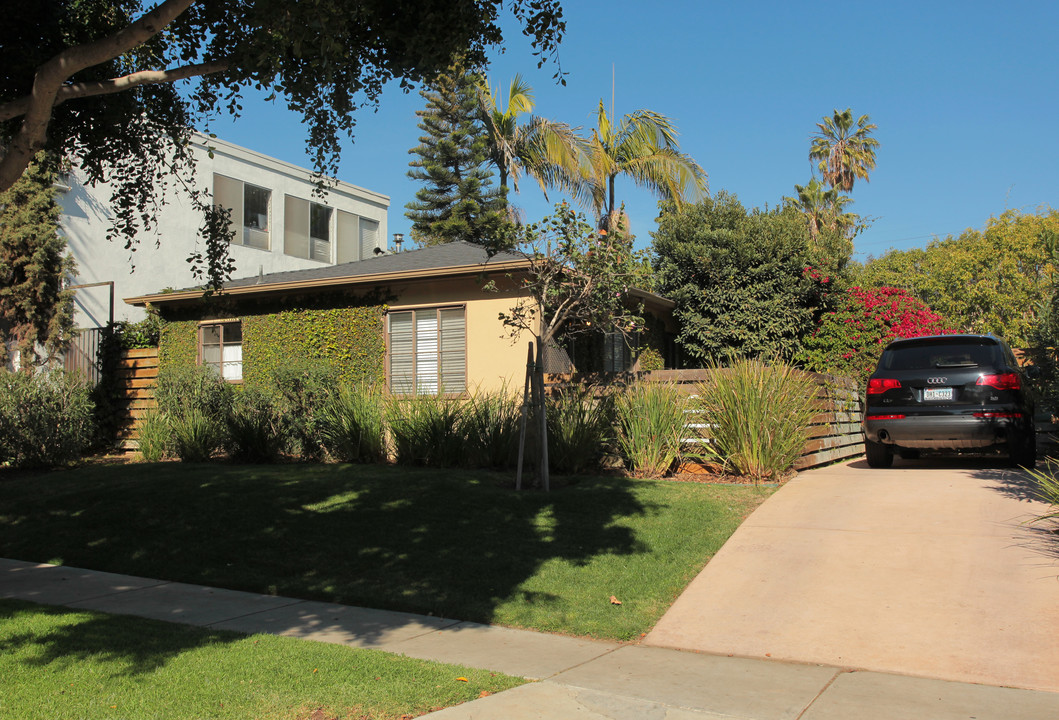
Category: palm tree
[844,154]
[550,152]
[825,210]
[643,145]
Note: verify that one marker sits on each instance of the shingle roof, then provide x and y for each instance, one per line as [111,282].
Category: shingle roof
[447,255]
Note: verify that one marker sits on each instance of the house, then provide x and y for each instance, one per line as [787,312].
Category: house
[420,321]
[279,225]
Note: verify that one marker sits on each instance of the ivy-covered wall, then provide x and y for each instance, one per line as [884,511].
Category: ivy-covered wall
[346,332]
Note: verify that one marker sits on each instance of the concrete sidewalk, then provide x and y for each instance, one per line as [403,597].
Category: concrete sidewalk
[576,678]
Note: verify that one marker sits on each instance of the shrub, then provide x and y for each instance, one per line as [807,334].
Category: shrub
[302,389]
[427,430]
[182,389]
[45,418]
[850,337]
[579,430]
[651,419]
[351,425]
[154,436]
[253,428]
[195,435]
[758,416]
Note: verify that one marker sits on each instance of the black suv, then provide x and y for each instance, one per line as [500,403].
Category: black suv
[948,392]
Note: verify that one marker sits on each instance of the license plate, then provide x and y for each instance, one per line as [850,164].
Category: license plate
[937,394]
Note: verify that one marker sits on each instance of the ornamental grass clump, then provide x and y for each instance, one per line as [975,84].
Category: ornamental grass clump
[253,432]
[580,430]
[758,416]
[490,424]
[154,437]
[427,430]
[651,419]
[195,435]
[351,425]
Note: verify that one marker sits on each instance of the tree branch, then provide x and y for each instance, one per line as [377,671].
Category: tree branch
[15,108]
[51,75]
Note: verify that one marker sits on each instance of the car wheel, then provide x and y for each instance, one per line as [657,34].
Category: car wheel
[879,456]
[1023,452]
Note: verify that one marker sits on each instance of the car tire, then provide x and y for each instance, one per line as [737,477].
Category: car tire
[879,456]
[1023,450]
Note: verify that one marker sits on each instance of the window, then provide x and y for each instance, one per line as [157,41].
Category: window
[307,229]
[428,351]
[221,348]
[250,210]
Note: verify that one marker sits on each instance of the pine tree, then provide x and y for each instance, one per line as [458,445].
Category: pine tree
[35,311]
[459,201]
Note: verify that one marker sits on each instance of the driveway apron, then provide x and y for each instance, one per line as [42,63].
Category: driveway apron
[927,569]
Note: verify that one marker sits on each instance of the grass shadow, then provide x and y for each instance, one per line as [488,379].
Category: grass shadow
[449,544]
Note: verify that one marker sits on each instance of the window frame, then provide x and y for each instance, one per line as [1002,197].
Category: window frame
[439,373]
[238,219]
[203,326]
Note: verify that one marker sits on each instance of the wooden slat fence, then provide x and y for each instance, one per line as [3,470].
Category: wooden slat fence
[835,433]
[137,372]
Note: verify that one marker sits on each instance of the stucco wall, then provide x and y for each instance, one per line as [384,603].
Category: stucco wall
[160,259]
[494,359]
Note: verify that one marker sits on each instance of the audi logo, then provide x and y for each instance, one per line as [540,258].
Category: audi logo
[936,380]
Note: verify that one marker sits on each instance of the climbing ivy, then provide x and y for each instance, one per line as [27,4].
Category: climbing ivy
[346,333]
[350,338]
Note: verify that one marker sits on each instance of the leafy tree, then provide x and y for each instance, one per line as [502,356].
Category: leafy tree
[550,152]
[93,80]
[740,279]
[35,310]
[642,146]
[845,151]
[579,279]
[850,337]
[458,201]
[991,281]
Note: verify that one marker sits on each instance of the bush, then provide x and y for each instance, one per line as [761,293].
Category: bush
[491,427]
[154,436]
[651,419]
[253,428]
[851,336]
[301,391]
[1048,485]
[758,416]
[579,430]
[427,430]
[45,418]
[195,435]
[183,389]
[351,425]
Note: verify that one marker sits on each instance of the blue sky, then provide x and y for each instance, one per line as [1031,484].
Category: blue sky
[965,96]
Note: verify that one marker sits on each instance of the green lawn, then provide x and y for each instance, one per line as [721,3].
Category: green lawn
[451,543]
[60,663]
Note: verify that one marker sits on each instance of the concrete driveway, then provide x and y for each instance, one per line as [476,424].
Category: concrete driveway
[925,569]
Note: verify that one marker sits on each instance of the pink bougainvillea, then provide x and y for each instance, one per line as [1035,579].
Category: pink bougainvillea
[849,338]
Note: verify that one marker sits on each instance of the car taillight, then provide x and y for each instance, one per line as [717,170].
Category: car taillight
[877,386]
[1004,381]
[885,417]
[993,415]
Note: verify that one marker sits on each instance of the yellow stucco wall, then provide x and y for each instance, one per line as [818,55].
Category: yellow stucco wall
[494,359]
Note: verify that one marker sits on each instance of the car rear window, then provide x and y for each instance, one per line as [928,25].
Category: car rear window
[941,354]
